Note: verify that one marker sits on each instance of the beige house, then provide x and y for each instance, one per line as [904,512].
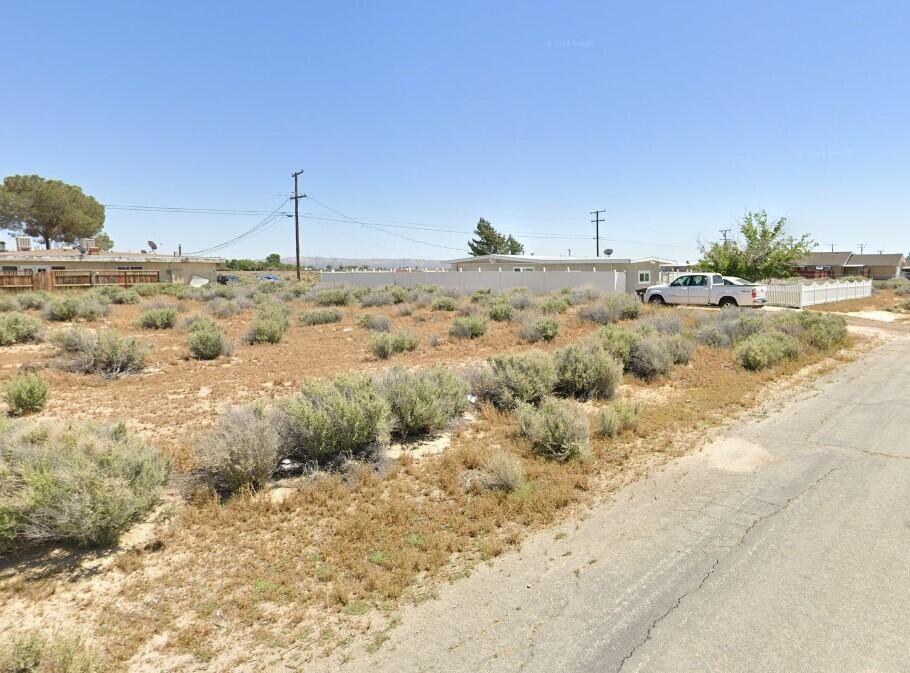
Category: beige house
[640,273]
[823,264]
[170,268]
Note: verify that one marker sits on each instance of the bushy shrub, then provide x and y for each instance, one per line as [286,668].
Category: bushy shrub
[330,296]
[31,300]
[271,323]
[713,335]
[557,430]
[328,419]
[824,331]
[67,309]
[208,342]
[241,452]
[618,417]
[650,358]
[74,483]
[681,348]
[539,329]
[384,345]
[611,309]
[223,308]
[8,304]
[424,400]
[176,290]
[106,353]
[587,370]
[114,294]
[520,300]
[663,322]
[375,322]
[553,305]
[503,471]
[468,327]
[443,303]
[765,349]
[26,394]
[377,298]
[481,296]
[405,310]
[618,341]
[158,318]
[18,328]
[891,284]
[586,294]
[33,652]
[501,312]
[320,316]
[508,380]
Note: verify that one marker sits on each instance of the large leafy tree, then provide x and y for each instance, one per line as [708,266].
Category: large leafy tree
[104,241]
[488,241]
[762,250]
[49,210]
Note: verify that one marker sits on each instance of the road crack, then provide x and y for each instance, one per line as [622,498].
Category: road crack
[716,563]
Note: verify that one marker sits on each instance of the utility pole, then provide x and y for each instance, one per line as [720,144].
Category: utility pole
[297,197]
[725,233]
[832,246]
[597,221]
[862,246]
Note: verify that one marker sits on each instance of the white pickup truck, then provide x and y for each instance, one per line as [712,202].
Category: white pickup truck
[707,289]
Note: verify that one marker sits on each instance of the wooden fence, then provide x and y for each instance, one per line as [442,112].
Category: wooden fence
[63,279]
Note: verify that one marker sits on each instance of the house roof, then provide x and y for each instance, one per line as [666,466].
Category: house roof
[542,259]
[891,259]
[820,258]
[71,254]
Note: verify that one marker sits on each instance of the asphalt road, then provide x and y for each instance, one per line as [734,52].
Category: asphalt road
[784,546]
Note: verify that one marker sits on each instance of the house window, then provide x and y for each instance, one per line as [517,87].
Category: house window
[129,268]
[522,269]
[58,268]
[644,277]
[10,268]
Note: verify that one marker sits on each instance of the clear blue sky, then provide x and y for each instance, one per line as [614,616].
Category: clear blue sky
[674,117]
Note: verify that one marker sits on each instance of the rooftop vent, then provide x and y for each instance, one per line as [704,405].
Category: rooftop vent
[23,243]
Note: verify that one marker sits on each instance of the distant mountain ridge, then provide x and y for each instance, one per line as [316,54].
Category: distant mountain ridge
[371,263]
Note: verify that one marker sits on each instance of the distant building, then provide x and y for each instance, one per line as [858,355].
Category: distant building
[839,264]
[640,273]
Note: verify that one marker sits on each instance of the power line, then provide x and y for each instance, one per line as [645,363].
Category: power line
[262,225]
[179,209]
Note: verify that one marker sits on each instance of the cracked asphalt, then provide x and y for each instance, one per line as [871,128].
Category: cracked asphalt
[782,546]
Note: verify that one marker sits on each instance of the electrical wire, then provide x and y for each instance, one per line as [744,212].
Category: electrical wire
[261,226]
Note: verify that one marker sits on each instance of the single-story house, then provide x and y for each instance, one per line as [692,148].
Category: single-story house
[170,268]
[839,264]
[640,273]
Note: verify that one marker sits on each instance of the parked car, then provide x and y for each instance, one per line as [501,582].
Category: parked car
[269,278]
[227,279]
[708,289]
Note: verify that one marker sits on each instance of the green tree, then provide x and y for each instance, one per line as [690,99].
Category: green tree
[488,241]
[763,250]
[49,210]
[273,260]
[104,241]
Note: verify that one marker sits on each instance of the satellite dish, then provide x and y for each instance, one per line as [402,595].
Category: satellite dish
[153,245]
[608,252]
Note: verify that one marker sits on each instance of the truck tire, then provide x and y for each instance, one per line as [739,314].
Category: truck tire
[657,300]
[727,301]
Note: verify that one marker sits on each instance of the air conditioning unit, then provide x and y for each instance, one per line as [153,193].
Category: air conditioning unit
[87,243]
[23,243]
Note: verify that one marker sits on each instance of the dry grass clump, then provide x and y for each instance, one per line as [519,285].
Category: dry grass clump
[377,298]
[18,328]
[557,429]
[321,316]
[383,345]
[328,420]
[76,483]
[503,471]
[681,348]
[375,322]
[164,317]
[611,309]
[423,401]
[587,370]
[33,652]
[222,308]
[241,452]
[468,327]
[662,322]
[520,299]
[618,417]
[534,329]
[509,380]
[106,353]
[26,394]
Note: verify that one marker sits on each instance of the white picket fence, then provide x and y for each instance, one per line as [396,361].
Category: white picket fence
[802,294]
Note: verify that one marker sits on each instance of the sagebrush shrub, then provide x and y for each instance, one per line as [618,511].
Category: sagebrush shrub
[663,322]
[158,318]
[223,308]
[18,328]
[320,316]
[328,419]
[557,430]
[650,358]
[241,452]
[468,327]
[377,298]
[405,310]
[208,342]
[375,322]
[114,294]
[330,296]
[176,290]
[503,471]
[553,305]
[619,342]
[611,309]
[586,369]
[443,303]
[520,300]
[681,348]
[8,304]
[423,400]
[713,335]
[765,349]
[106,353]
[501,312]
[266,331]
[508,380]
[618,417]
[67,309]
[75,483]
[383,345]
[26,394]
[539,329]
[31,300]
[824,331]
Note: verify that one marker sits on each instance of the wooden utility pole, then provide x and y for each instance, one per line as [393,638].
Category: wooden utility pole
[597,221]
[297,197]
